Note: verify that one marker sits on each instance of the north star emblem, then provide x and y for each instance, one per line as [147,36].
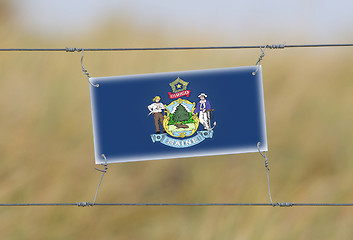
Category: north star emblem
[178,85]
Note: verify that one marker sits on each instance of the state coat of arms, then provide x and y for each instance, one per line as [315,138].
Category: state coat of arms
[177,122]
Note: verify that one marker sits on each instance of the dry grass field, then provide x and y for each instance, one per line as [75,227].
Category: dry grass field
[46,145]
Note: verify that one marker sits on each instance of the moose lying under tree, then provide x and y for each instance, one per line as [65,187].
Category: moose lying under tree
[181,117]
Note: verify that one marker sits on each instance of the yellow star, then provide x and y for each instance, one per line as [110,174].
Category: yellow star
[179,86]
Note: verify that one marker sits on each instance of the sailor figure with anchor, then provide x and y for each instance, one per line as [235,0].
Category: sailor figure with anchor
[203,108]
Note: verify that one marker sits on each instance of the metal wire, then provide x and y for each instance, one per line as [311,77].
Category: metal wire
[262,47]
[283,204]
[263,154]
[270,46]
[88,204]
[82,67]
[35,204]
[260,59]
[103,172]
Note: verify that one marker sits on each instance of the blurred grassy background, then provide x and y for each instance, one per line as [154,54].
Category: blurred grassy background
[46,145]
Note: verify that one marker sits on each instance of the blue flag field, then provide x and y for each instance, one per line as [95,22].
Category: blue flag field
[178,114]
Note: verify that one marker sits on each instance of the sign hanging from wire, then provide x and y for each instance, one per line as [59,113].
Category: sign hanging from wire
[177,115]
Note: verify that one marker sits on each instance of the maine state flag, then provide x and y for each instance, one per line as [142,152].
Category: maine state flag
[178,114]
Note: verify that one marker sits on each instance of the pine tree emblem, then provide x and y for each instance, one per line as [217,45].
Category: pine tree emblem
[180,114]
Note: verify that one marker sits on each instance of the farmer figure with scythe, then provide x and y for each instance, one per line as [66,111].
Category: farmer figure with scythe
[156,109]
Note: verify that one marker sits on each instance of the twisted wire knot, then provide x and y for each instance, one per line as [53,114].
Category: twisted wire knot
[85,72]
[263,48]
[84,204]
[276,46]
[263,154]
[67,49]
[267,164]
[261,56]
[283,204]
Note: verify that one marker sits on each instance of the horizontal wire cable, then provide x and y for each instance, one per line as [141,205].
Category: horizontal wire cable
[35,204]
[183,204]
[272,46]
[87,204]
[226,204]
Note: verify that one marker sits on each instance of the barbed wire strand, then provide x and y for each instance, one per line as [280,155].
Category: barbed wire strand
[270,46]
